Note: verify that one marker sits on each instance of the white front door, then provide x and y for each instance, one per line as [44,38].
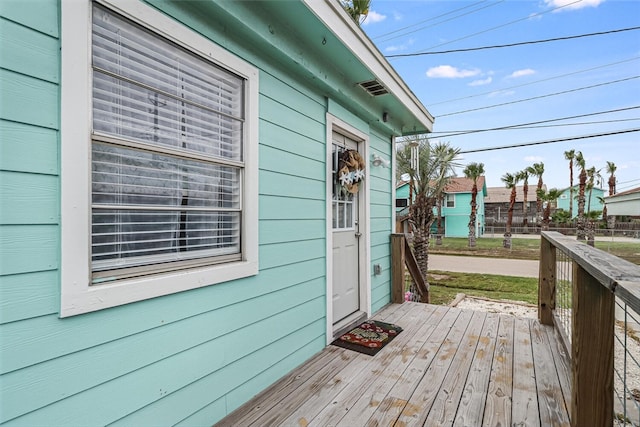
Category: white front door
[346,234]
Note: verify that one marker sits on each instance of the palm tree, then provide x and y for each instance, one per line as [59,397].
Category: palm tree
[548,198]
[560,216]
[604,207]
[436,164]
[570,155]
[357,9]
[592,174]
[592,218]
[537,169]
[445,169]
[473,171]
[510,181]
[611,170]
[582,179]
[523,176]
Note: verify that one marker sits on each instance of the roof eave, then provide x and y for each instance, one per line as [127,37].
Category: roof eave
[331,13]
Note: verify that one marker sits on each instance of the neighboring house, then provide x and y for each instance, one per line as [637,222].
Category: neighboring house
[594,205]
[456,207]
[496,204]
[174,235]
[625,203]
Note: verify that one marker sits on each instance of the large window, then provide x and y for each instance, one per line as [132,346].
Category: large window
[171,139]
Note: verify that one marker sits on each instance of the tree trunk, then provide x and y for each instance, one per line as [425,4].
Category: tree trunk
[422,218]
[591,233]
[525,208]
[539,202]
[545,218]
[472,218]
[439,235]
[580,228]
[571,190]
[507,233]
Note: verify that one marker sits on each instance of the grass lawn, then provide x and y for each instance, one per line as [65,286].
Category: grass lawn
[525,248]
[445,285]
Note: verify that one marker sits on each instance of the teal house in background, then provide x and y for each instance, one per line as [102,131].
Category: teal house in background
[594,202]
[189,206]
[456,207]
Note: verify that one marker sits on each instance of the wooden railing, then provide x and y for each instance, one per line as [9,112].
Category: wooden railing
[401,256]
[595,279]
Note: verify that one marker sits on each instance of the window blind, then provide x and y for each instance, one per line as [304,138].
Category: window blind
[166,153]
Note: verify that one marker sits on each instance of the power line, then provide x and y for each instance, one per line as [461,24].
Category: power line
[620,189]
[437,23]
[626,182]
[555,39]
[542,126]
[539,97]
[524,125]
[551,141]
[526,18]
[537,81]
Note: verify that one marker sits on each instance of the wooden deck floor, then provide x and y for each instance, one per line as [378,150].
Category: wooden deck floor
[448,367]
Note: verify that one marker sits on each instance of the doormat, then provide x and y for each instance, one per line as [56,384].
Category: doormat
[368,338]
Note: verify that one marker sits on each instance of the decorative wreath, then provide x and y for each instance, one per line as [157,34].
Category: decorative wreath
[351,170]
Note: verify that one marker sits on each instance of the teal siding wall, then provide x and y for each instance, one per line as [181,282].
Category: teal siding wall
[381,224]
[596,205]
[457,218]
[29,206]
[188,358]
[402,192]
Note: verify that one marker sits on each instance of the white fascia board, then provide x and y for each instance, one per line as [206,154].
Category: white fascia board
[331,13]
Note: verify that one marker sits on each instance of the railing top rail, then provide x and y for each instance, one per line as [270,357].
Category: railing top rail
[616,274]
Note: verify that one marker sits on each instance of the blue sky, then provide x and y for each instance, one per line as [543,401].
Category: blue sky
[450,83]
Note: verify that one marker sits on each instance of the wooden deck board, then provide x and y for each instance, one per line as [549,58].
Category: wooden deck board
[371,398]
[344,402]
[398,398]
[445,406]
[448,367]
[563,363]
[553,411]
[525,400]
[474,396]
[330,409]
[498,406]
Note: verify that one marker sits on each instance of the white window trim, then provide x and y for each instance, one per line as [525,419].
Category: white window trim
[77,296]
[446,201]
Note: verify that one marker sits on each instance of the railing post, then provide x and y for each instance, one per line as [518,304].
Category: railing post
[547,282]
[592,343]
[397,268]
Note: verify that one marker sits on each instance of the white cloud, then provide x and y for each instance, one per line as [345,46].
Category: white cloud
[374,17]
[397,16]
[533,159]
[449,72]
[572,4]
[399,47]
[521,73]
[481,82]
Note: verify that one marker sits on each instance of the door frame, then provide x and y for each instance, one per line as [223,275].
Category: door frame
[335,124]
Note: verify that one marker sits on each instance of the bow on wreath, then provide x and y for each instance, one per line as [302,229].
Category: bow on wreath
[351,170]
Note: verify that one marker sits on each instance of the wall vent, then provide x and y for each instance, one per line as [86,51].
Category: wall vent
[374,87]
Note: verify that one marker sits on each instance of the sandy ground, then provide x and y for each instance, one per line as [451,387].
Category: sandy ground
[625,362]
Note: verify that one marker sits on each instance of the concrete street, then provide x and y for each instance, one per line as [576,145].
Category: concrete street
[472,264]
